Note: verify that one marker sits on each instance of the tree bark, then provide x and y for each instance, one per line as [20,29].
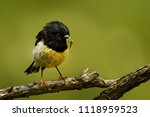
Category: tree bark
[124,84]
[85,80]
[115,88]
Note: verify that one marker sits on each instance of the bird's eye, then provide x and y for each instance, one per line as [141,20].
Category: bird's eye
[57,35]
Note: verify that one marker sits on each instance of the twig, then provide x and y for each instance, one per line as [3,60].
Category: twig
[126,83]
[85,80]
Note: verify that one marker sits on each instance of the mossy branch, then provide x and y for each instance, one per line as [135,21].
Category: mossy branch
[114,88]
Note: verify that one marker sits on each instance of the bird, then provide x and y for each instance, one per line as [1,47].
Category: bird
[51,48]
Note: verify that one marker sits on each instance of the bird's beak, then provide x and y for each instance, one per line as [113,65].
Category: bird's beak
[69,40]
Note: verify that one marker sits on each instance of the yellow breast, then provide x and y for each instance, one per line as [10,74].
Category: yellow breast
[47,57]
[55,58]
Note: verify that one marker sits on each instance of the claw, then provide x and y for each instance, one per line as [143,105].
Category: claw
[41,82]
[62,78]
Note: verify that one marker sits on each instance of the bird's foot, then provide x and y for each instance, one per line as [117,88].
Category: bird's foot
[62,78]
[41,82]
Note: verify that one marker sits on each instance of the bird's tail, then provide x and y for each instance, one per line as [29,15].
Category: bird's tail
[32,68]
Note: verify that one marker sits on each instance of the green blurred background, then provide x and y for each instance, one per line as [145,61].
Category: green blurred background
[110,36]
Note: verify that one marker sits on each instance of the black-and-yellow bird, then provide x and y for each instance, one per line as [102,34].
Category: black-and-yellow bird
[51,47]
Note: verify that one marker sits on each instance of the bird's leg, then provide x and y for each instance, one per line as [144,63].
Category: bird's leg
[42,82]
[61,76]
[58,71]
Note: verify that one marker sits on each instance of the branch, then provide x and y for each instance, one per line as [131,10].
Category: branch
[126,83]
[115,88]
[85,80]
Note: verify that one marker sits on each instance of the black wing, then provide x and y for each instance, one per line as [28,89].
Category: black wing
[41,35]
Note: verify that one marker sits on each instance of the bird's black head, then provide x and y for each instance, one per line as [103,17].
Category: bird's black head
[56,30]
[54,35]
